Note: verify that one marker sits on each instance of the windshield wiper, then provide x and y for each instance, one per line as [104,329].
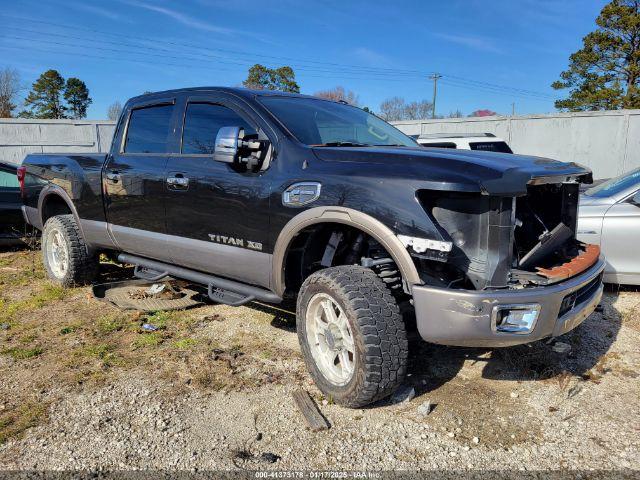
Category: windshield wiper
[341,144]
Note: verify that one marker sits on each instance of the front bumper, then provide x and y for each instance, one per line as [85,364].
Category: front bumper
[463,317]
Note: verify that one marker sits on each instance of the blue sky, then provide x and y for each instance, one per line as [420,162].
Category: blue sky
[491,52]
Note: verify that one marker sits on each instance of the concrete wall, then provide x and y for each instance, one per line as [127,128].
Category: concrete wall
[607,142]
[18,137]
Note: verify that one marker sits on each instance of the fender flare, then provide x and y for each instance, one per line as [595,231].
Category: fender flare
[348,216]
[56,190]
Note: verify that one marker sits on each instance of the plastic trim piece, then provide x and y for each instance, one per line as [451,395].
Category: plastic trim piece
[328,214]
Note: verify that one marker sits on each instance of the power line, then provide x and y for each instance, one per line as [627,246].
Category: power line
[198,66]
[345,68]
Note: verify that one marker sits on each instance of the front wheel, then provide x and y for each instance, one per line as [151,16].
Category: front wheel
[352,335]
[65,254]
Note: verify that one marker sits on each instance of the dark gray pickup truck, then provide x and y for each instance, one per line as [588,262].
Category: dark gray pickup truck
[260,195]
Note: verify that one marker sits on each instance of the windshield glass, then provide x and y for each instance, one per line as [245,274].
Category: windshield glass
[322,123]
[615,185]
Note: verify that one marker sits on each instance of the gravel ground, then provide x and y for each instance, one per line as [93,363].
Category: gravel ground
[518,408]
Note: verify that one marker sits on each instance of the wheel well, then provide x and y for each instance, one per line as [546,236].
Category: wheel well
[54,205]
[323,245]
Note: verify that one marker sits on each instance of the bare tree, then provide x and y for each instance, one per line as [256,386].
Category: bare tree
[392,109]
[338,94]
[395,108]
[455,114]
[113,112]
[10,87]
[417,110]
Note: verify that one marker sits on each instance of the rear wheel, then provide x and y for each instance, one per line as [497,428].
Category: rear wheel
[65,254]
[351,334]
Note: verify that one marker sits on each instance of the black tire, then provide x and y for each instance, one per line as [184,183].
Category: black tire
[378,331]
[82,266]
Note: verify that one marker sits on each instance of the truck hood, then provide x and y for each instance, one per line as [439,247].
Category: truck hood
[458,170]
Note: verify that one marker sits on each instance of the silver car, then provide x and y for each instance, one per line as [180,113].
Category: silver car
[609,216]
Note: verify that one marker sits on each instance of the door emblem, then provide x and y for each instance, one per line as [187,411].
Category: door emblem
[301,193]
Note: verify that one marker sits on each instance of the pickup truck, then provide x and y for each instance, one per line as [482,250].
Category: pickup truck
[261,195]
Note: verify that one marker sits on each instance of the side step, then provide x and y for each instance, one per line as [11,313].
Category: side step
[221,290]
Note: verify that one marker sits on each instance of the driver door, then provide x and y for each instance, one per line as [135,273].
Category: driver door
[217,214]
[620,234]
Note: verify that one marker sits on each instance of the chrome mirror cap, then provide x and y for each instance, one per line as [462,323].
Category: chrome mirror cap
[226,147]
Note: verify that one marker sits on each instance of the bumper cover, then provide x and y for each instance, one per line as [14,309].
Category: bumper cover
[463,317]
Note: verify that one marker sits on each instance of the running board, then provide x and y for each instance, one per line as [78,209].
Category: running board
[221,290]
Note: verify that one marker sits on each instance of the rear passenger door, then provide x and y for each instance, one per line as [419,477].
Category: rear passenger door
[218,219]
[134,178]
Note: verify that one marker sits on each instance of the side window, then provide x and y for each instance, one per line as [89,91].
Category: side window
[201,124]
[8,180]
[440,145]
[149,129]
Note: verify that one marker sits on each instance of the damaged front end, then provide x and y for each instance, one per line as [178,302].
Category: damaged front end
[508,242]
[515,272]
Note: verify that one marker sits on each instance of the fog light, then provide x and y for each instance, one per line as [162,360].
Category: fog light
[519,319]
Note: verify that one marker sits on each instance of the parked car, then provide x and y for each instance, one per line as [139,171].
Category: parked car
[487,142]
[12,227]
[263,195]
[609,216]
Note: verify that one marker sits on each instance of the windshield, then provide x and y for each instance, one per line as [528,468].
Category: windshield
[322,123]
[615,185]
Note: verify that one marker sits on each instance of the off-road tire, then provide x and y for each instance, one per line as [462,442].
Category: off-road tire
[378,331]
[82,264]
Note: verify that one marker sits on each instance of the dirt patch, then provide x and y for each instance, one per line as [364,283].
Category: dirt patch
[56,341]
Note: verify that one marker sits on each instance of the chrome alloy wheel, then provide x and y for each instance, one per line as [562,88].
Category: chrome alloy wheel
[330,339]
[57,253]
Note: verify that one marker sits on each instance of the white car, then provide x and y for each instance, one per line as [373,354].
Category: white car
[487,142]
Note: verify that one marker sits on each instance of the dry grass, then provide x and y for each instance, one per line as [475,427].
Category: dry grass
[59,340]
[14,422]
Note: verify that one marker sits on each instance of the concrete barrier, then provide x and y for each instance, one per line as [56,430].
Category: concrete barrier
[19,137]
[607,142]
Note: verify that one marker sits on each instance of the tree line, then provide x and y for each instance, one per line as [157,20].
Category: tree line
[51,96]
[283,79]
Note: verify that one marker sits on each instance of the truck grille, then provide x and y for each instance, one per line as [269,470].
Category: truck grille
[580,295]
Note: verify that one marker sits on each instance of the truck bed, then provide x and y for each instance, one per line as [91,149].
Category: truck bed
[77,174]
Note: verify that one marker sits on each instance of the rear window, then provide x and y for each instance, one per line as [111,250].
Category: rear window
[440,145]
[501,147]
[149,129]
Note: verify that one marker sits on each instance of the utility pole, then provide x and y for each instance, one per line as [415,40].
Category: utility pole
[435,78]
[513,109]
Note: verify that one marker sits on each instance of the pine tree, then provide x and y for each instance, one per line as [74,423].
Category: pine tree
[282,79]
[605,73]
[44,100]
[76,94]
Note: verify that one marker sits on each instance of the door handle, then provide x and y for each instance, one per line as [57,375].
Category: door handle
[178,182]
[113,176]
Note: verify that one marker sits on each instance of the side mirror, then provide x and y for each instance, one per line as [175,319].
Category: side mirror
[234,146]
[226,146]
